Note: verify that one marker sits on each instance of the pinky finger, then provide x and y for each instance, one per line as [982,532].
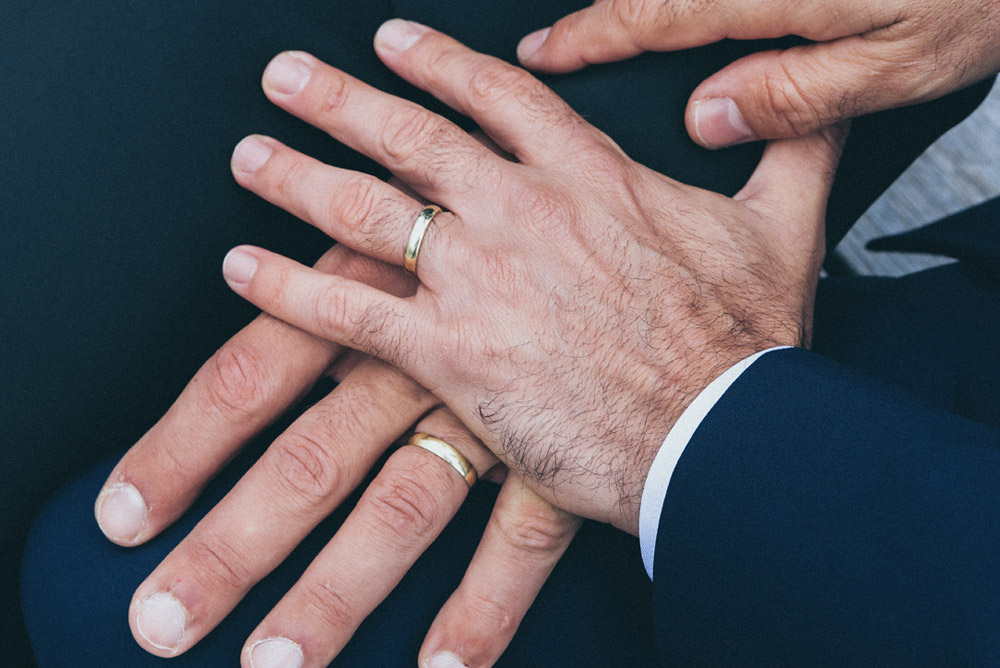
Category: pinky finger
[524,540]
[331,307]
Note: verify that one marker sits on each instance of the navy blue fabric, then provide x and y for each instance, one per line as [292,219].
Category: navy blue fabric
[77,587]
[118,204]
[969,236]
[820,516]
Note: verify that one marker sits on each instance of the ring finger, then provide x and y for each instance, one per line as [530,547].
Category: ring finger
[359,210]
[403,510]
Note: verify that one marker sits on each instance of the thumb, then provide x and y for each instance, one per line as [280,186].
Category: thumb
[791,185]
[600,33]
[795,92]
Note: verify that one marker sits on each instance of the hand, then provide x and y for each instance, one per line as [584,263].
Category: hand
[302,476]
[571,304]
[868,56]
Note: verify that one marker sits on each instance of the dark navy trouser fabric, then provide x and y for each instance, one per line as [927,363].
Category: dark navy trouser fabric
[118,206]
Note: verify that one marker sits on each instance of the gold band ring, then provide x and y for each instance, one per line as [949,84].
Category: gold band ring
[423,221]
[449,454]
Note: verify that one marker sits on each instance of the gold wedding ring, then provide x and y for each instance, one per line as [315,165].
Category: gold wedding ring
[424,219]
[449,454]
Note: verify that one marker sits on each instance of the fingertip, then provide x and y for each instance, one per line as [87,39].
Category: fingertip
[121,513]
[530,45]
[239,266]
[159,623]
[250,155]
[396,35]
[717,122]
[278,652]
[443,660]
[288,73]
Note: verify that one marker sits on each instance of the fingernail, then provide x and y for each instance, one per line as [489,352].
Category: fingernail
[718,122]
[530,44]
[251,154]
[161,621]
[287,74]
[399,35]
[121,512]
[276,653]
[444,660]
[239,266]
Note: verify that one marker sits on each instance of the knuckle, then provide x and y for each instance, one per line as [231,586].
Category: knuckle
[288,183]
[407,131]
[332,99]
[219,566]
[789,104]
[641,16]
[540,531]
[404,504]
[630,13]
[361,207]
[541,209]
[170,465]
[438,57]
[355,202]
[486,607]
[306,468]
[603,163]
[324,602]
[495,81]
[236,382]
[331,311]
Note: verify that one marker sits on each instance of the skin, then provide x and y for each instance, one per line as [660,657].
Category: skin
[302,477]
[749,285]
[605,296]
[866,57]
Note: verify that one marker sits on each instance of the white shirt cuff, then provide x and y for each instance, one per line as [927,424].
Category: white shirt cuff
[654,492]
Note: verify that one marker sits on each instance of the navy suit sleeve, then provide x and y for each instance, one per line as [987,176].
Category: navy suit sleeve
[820,516]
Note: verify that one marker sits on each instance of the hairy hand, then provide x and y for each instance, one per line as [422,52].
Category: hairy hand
[571,304]
[867,56]
[302,476]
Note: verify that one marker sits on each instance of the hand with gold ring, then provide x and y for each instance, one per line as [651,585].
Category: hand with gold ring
[303,475]
[571,303]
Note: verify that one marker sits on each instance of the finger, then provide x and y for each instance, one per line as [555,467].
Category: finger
[525,538]
[356,209]
[241,389]
[795,92]
[611,30]
[601,33]
[306,472]
[399,515]
[332,307]
[791,184]
[426,151]
[515,109]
